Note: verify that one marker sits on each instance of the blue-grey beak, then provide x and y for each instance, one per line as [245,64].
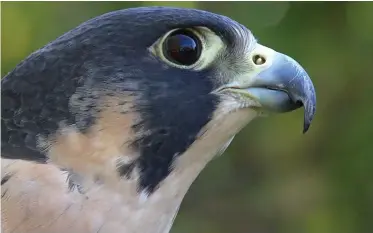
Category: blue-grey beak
[284,86]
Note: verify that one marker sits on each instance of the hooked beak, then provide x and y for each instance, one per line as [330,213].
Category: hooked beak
[279,84]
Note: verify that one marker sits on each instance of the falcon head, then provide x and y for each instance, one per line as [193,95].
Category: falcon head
[144,94]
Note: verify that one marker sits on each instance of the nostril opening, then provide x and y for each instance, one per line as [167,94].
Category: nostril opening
[259,60]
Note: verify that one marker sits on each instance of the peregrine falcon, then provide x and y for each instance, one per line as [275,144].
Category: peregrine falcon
[105,128]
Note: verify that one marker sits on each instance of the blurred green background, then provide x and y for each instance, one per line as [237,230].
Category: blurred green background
[272,178]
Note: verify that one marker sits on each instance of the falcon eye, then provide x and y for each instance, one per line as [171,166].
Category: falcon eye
[182,47]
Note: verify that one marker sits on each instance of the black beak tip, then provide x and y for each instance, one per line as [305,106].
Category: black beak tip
[306,126]
[309,112]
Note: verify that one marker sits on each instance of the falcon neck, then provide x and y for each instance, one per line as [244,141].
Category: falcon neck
[129,211]
[156,212]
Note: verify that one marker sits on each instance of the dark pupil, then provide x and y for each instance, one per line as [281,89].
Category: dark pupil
[182,48]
